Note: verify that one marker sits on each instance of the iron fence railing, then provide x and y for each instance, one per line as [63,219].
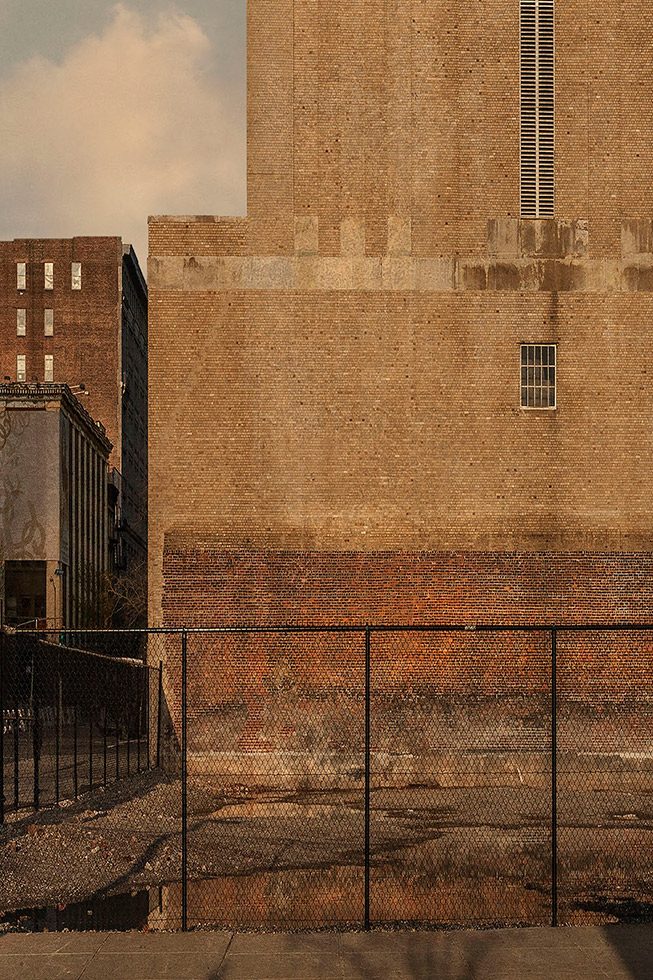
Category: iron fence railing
[73,719]
[330,776]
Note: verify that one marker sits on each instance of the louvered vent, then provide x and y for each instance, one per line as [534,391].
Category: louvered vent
[537,94]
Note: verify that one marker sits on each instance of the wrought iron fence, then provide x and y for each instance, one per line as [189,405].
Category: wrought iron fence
[73,719]
[315,777]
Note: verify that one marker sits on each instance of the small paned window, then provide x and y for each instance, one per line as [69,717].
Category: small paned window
[21,369]
[538,375]
[48,371]
[48,322]
[48,275]
[76,275]
[21,275]
[21,322]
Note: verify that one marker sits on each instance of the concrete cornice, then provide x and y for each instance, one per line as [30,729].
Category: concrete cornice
[520,255]
[401,274]
[17,395]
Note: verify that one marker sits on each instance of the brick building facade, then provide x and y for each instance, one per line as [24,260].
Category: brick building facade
[339,431]
[74,311]
[54,512]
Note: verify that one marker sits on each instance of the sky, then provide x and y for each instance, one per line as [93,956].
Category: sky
[114,111]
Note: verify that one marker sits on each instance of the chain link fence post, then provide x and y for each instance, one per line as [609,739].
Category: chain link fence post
[57,733]
[2,727]
[554,777]
[159,710]
[148,676]
[184,783]
[104,747]
[16,748]
[36,751]
[368,719]
[75,779]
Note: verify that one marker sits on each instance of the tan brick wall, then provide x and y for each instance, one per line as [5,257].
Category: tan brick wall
[384,420]
[340,369]
[364,108]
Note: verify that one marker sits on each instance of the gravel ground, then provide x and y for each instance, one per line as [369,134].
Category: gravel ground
[102,842]
[432,849]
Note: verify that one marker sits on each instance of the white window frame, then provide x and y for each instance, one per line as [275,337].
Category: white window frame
[48,275]
[537,108]
[533,390]
[21,275]
[48,367]
[48,323]
[21,367]
[21,322]
[76,275]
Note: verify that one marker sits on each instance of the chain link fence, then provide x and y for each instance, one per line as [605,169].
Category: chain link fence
[342,777]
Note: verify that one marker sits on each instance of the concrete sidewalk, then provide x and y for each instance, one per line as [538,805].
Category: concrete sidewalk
[618,952]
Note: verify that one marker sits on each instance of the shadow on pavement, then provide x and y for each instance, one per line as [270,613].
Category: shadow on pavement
[633,944]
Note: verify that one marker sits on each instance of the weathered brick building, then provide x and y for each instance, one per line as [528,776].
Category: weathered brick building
[54,513]
[413,384]
[74,311]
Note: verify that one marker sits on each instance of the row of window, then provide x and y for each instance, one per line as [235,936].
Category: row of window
[48,275]
[48,323]
[537,374]
[21,367]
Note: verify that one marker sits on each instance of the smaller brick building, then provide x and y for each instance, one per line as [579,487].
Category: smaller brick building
[54,507]
[74,311]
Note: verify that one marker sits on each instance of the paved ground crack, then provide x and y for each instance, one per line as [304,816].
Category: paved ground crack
[86,966]
[224,955]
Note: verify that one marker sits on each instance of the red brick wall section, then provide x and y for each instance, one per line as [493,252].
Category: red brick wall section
[268,691]
[85,343]
[209,586]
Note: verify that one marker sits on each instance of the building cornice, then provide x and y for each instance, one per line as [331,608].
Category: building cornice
[400,274]
[16,395]
[528,256]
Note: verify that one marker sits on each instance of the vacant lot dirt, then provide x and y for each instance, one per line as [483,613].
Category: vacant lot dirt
[477,854]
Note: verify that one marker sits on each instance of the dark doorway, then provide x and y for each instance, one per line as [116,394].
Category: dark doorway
[24,592]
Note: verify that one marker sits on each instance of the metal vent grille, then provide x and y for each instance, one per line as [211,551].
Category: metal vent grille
[537,108]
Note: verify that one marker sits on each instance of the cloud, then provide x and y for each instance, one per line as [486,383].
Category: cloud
[133,121]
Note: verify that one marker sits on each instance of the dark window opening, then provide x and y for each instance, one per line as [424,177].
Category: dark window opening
[24,592]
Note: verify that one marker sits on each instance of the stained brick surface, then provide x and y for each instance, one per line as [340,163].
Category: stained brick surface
[350,350]
[210,587]
[85,343]
[99,339]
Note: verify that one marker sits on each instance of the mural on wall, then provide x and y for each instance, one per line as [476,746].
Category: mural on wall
[22,534]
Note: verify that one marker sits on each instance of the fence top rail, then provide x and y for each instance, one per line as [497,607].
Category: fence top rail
[515,628]
[126,661]
[340,628]
[60,647]
[428,628]
[17,631]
